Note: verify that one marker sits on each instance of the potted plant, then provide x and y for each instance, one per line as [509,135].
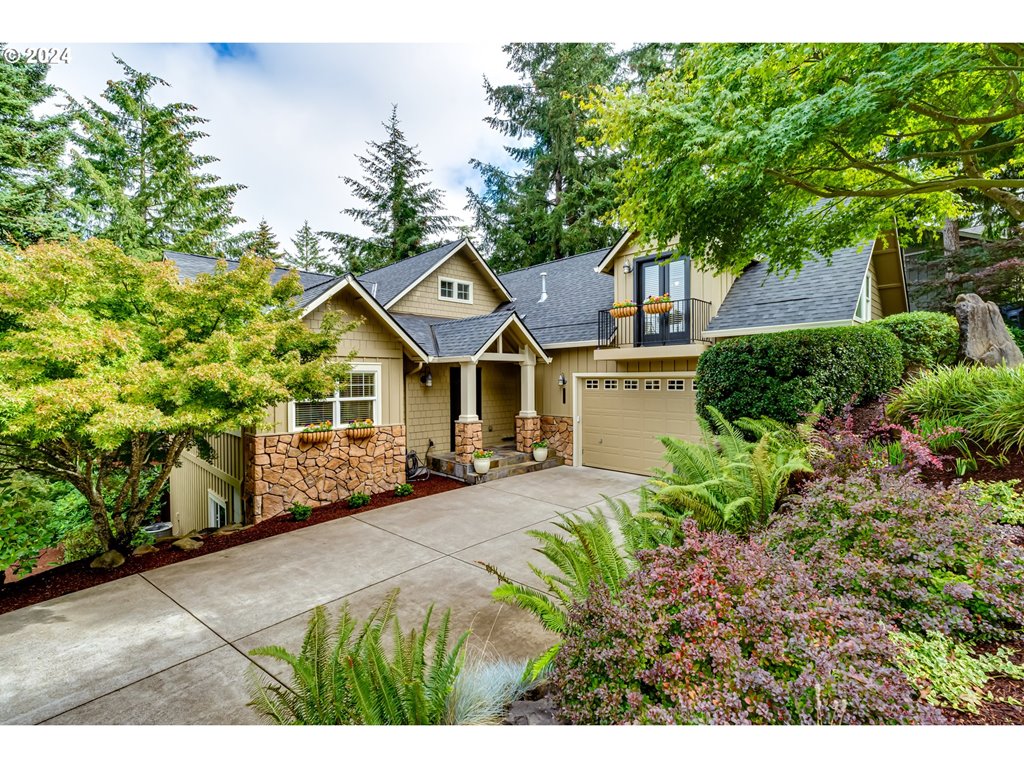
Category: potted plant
[657,305]
[322,432]
[359,430]
[623,309]
[482,461]
[540,450]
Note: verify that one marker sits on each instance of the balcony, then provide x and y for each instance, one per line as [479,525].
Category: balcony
[679,332]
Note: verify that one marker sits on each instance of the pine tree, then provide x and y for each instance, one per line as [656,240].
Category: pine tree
[402,212]
[558,203]
[264,244]
[308,255]
[31,147]
[136,177]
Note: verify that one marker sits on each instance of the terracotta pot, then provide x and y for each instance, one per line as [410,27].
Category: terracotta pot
[360,433]
[622,311]
[314,438]
[658,308]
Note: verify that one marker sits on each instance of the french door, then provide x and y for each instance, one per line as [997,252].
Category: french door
[656,278]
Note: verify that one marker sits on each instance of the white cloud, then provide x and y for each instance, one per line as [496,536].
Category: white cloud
[288,120]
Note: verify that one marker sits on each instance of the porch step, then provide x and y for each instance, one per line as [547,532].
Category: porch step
[510,470]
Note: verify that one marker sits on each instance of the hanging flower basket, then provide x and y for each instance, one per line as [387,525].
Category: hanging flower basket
[360,430]
[657,305]
[623,310]
[315,438]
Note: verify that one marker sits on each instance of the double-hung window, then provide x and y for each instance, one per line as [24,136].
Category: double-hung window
[450,289]
[358,400]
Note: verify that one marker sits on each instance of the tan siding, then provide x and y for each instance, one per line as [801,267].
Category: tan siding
[876,298]
[423,299]
[500,401]
[194,479]
[374,343]
[428,412]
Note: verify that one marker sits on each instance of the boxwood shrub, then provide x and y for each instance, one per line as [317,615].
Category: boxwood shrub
[926,339]
[783,375]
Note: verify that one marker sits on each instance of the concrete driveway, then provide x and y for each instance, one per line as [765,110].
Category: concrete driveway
[170,646]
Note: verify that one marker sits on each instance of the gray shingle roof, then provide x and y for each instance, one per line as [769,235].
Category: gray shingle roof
[445,337]
[576,293]
[190,266]
[820,293]
[387,282]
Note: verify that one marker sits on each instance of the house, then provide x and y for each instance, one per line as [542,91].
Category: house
[452,357]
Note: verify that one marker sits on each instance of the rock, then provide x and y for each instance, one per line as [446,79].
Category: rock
[983,335]
[227,530]
[145,549]
[539,712]
[108,560]
[187,544]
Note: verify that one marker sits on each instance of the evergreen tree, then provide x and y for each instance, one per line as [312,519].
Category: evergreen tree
[31,175]
[136,177]
[308,255]
[264,244]
[559,202]
[402,212]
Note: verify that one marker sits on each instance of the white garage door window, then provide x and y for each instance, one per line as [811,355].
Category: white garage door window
[621,424]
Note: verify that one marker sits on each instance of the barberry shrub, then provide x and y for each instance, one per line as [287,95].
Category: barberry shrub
[722,631]
[925,558]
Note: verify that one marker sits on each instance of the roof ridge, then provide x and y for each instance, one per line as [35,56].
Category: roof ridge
[238,261]
[449,321]
[440,247]
[556,261]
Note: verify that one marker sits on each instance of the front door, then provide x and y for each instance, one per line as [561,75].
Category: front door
[455,377]
[656,278]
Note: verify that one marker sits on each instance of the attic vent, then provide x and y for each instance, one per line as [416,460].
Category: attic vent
[543,287]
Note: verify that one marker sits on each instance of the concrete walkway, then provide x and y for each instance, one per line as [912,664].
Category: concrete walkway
[169,646]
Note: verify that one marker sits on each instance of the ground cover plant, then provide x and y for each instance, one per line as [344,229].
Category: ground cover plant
[720,630]
[783,376]
[1003,496]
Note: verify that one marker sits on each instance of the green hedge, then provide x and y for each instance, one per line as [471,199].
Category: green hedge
[927,339]
[783,375]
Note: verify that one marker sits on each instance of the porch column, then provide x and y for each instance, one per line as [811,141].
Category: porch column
[528,384]
[469,432]
[527,422]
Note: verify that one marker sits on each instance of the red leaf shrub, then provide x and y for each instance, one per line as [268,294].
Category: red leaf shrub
[721,631]
[925,558]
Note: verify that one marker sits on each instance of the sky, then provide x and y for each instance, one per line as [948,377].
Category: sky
[287,120]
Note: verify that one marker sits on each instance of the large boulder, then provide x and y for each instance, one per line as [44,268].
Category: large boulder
[110,559]
[186,544]
[983,335]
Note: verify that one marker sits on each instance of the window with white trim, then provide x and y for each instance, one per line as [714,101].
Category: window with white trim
[218,509]
[358,400]
[863,313]
[693,384]
[630,384]
[450,289]
[676,385]
[651,384]
[611,384]
[592,384]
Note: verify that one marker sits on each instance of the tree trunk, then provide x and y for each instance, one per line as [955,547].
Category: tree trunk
[950,247]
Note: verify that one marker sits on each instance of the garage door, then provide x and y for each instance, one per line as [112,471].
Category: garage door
[622,419]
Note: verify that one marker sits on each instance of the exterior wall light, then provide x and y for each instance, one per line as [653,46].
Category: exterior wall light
[627,267]
[562,381]
[427,380]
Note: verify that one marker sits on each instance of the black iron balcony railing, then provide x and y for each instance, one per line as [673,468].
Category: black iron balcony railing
[684,322]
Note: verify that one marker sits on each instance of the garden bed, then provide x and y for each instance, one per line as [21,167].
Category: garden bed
[999,712]
[72,577]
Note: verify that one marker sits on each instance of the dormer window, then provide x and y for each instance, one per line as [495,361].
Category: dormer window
[450,289]
[863,313]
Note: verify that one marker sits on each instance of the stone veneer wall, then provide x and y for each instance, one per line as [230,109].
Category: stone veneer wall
[557,430]
[284,470]
[527,432]
[469,437]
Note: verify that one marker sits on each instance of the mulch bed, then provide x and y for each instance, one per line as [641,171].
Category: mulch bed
[72,577]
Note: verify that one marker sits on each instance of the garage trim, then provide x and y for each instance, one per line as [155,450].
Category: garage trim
[577,400]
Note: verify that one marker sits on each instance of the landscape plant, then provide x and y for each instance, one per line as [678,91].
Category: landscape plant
[300,512]
[111,367]
[1002,495]
[926,339]
[358,499]
[344,675]
[925,558]
[404,489]
[722,631]
[783,376]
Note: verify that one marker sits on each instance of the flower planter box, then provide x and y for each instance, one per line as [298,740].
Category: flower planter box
[621,312]
[657,308]
[315,438]
[359,434]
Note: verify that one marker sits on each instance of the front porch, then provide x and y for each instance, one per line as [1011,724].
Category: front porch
[506,462]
